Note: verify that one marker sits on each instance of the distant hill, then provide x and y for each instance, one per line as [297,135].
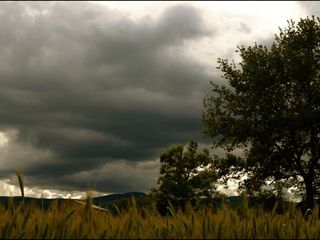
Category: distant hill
[103,201]
[119,199]
[234,200]
[41,202]
[45,202]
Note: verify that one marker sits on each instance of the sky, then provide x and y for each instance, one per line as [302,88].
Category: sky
[92,92]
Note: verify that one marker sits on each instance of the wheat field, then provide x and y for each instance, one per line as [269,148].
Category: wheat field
[71,221]
[85,221]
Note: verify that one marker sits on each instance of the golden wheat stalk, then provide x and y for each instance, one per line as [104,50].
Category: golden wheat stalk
[20,183]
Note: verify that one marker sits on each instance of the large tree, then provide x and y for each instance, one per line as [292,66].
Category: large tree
[186,175]
[270,108]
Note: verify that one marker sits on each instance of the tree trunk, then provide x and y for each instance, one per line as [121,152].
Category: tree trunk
[309,193]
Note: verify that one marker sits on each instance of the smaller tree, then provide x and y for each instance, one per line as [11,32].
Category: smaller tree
[185,177]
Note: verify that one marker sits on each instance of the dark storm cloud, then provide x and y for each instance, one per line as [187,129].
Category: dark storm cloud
[85,86]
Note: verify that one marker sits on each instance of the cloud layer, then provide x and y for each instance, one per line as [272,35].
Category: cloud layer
[92,95]
[86,89]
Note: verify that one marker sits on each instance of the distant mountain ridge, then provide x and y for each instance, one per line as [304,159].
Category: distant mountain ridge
[115,197]
[101,201]
[46,202]
[107,201]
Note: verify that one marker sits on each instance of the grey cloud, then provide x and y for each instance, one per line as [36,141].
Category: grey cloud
[244,27]
[118,176]
[179,23]
[134,40]
[312,7]
[86,87]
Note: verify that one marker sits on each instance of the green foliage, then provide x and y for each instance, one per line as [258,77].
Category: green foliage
[271,110]
[186,176]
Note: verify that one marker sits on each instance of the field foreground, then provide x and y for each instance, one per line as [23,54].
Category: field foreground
[83,221]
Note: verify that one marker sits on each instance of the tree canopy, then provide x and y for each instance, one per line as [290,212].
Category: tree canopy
[186,175]
[270,108]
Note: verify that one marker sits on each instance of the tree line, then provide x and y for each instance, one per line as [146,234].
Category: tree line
[269,108]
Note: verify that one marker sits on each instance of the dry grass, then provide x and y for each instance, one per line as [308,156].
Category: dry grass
[77,221]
